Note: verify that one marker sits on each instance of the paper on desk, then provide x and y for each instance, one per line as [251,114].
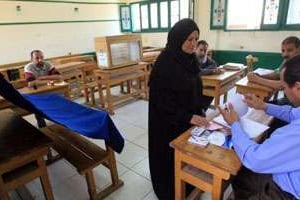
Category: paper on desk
[252,128]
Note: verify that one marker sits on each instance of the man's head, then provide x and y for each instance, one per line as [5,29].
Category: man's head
[37,57]
[290,47]
[290,79]
[201,50]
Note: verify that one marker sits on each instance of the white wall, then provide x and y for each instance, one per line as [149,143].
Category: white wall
[55,39]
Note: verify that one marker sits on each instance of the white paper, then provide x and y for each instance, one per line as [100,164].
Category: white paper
[102,59]
[220,120]
[239,105]
[216,138]
[263,71]
[252,128]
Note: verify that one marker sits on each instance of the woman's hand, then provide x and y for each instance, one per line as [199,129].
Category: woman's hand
[199,121]
[229,114]
[254,102]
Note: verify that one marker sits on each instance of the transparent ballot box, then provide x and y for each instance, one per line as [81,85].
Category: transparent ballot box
[118,51]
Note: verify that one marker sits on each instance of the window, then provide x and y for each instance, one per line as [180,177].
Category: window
[217,14]
[135,14]
[271,10]
[155,15]
[164,15]
[174,12]
[125,18]
[244,14]
[144,16]
[184,9]
[293,15]
[255,14]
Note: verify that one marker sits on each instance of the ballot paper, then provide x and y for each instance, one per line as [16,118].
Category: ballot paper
[238,104]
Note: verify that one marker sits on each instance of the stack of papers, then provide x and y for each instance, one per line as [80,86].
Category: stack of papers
[201,136]
[233,66]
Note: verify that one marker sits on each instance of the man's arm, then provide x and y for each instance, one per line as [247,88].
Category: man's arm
[53,74]
[274,84]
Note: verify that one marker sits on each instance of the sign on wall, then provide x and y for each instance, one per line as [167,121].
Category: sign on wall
[217,14]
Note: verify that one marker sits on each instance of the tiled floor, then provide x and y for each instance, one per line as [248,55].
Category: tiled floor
[132,163]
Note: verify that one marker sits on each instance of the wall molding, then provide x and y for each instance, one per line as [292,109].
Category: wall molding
[58,22]
[71,2]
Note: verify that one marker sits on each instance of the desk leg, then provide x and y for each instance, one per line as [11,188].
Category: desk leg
[217,188]
[109,100]
[217,97]
[129,83]
[179,184]
[146,86]
[101,97]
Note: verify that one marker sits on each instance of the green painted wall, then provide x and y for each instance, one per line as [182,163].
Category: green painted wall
[265,60]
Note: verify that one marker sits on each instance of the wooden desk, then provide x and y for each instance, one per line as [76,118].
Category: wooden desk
[106,78]
[243,86]
[22,148]
[212,166]
[62,88]
[216,85]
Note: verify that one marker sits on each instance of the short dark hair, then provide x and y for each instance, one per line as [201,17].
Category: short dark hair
[35,51]
[291,40]
[292,71]
[203,42]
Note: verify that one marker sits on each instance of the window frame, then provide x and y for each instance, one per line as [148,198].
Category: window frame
[130,21]
[159,28]
[281,24]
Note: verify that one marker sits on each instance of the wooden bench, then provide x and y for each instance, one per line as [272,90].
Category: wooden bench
[84,156]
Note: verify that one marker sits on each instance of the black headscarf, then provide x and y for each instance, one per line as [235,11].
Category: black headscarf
[176,37]
[173,59]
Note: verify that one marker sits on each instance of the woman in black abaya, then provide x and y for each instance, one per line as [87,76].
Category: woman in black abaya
[174,102]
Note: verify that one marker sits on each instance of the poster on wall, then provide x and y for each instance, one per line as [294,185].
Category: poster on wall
[217,14]
[125,18]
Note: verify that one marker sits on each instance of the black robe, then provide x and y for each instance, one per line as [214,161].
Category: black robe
[175,96]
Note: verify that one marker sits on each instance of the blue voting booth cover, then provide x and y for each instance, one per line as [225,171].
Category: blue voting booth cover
[87,121]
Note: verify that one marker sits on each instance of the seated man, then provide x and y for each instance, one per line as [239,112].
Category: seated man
[290,47]
[271,169]
[207,65]
[40,72]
